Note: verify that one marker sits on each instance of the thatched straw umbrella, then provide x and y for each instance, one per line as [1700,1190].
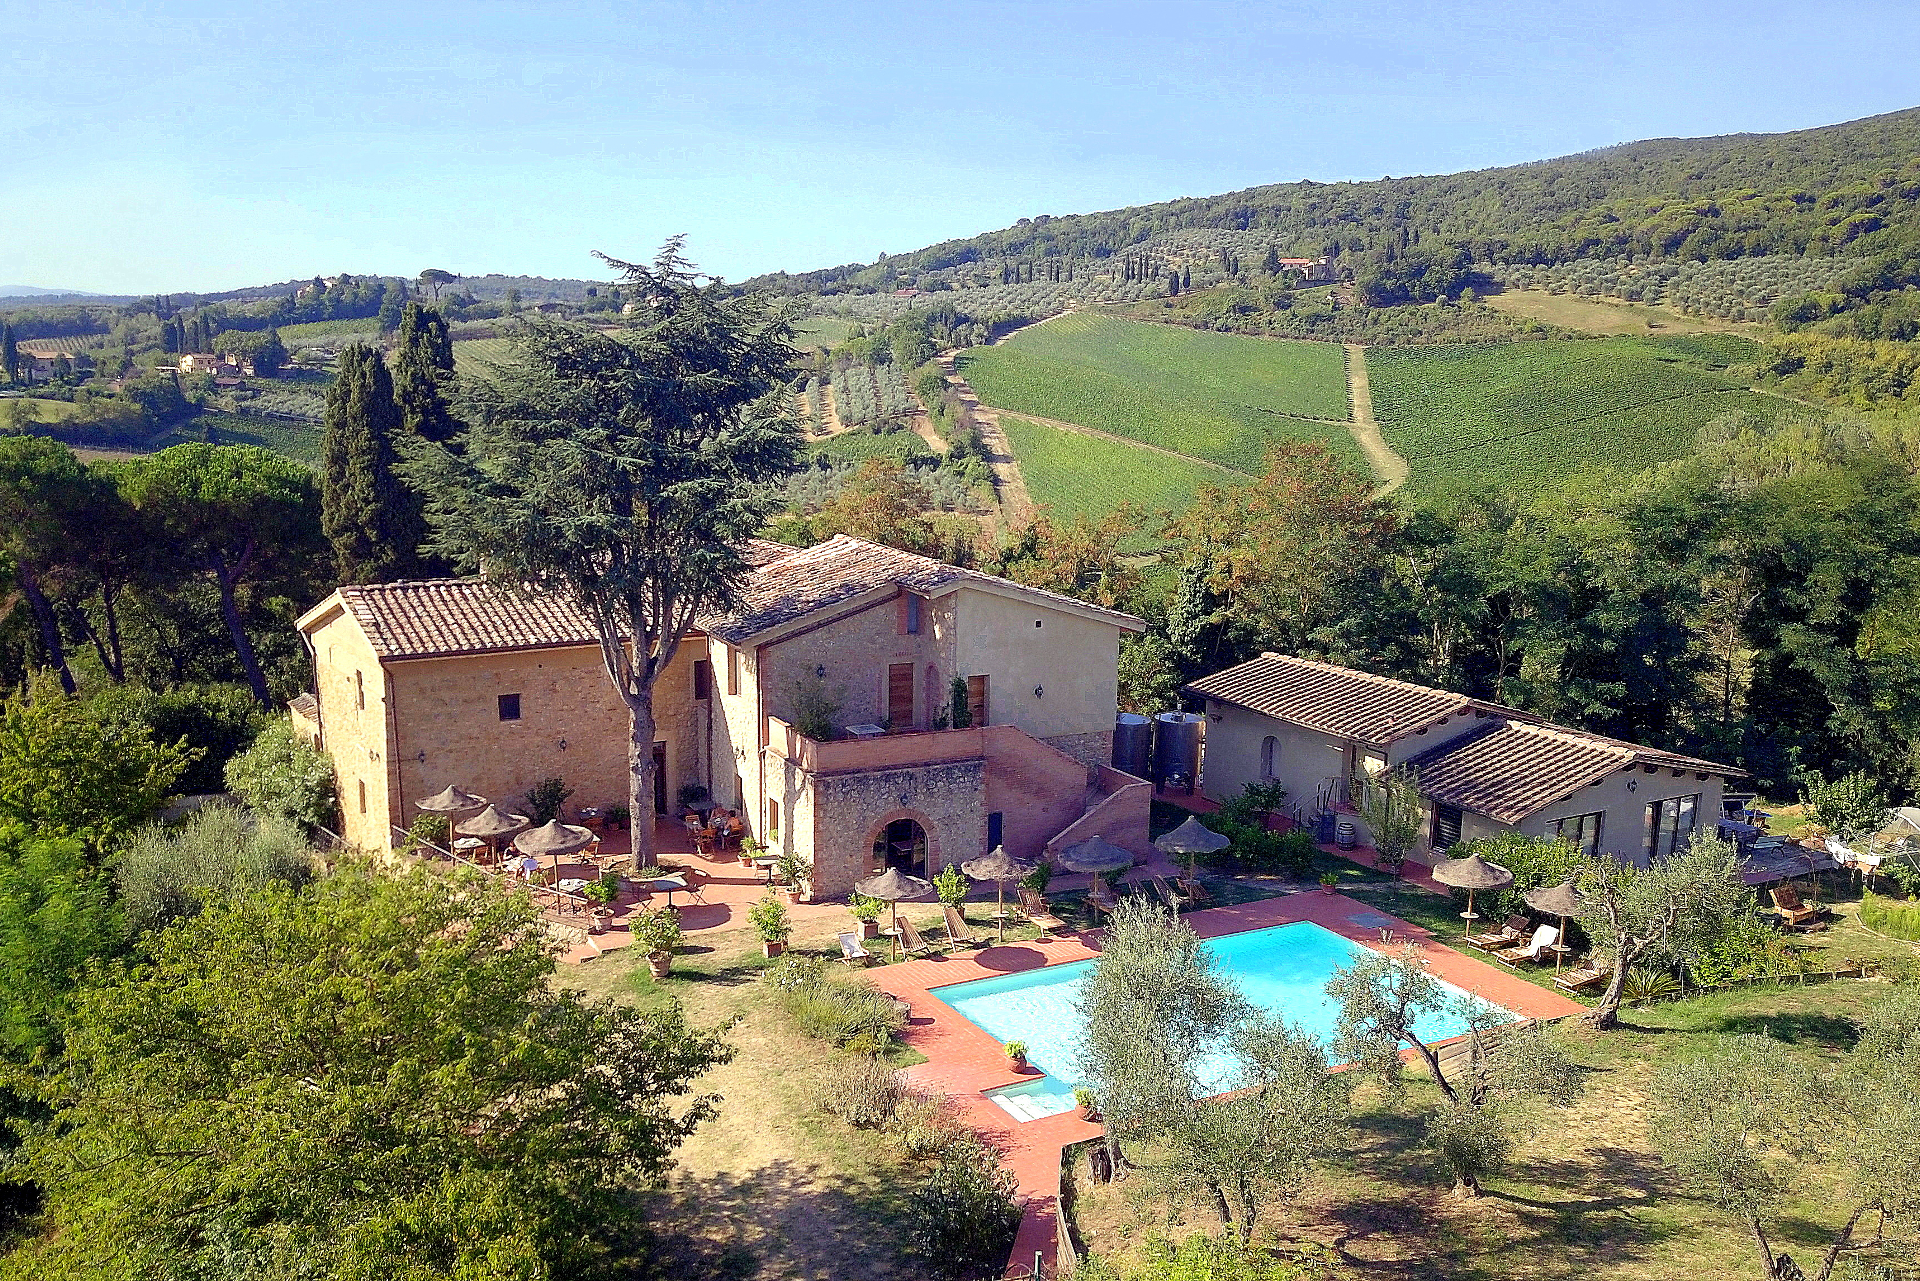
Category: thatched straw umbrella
[1472,873]
[1560,901]
[1190,839]
[999,867]
[490,825]
[1097,855]
[450,802]
[894,887]
[553,840]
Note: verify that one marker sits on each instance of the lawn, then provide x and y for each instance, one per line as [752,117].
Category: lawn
[1221,397]
[475,355]
[1589,315]
[1533,413]
[900,445]
[1070,475]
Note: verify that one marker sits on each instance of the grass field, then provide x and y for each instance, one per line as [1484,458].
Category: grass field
[44,410]
[1534,413]
[1221,397]
[1610,316]
[816,333]
[1070,475]
[330,333]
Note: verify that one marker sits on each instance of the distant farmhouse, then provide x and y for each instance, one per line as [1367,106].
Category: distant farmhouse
[822,709]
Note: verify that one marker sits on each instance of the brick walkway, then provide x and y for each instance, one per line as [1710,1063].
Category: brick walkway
[964,1061]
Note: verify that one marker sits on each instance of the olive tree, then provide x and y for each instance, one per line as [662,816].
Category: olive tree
[623,473]
[1492,1093]
[1669,910]
[1741,1128]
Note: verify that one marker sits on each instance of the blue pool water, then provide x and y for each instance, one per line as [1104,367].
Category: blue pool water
[1282,970]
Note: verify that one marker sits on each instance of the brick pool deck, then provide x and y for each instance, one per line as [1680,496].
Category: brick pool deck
[964,1062]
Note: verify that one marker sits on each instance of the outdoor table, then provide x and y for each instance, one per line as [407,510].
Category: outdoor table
[767,864]
[669,884]
[571,885]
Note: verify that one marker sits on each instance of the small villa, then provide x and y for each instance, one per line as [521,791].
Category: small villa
[861,707]
[1482,768]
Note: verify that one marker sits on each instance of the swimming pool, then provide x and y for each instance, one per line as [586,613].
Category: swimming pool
[1282,970]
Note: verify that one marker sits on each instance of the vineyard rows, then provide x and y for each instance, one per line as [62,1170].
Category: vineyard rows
[1727,289]
[1532,413]
[1220,397]
[1068,475]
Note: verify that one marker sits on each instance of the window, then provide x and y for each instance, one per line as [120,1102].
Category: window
[360,691]
[509,707]
[1269,756]
[1582,830]
[996,828]
[733,670]
[773,821]
[910,616]
[702,679]
[363,795]
[1670,823]
[1446,826]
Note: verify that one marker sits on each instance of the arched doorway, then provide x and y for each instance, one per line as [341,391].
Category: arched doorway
[902,844]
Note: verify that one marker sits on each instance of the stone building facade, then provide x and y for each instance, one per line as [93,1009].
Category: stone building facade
[421,685]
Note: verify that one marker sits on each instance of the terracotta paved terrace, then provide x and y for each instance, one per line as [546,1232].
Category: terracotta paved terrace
[963,1061]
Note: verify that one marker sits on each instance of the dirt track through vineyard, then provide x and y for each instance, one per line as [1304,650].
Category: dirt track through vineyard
[1389,468]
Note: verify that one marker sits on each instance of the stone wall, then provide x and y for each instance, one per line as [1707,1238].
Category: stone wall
[350,686]
[1094,751]
[848,812]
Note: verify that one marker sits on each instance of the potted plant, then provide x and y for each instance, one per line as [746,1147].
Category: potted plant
[619,816]
[1328,881]
[769,916]
[751,848]
[1016,1055]
[1084,1097]
[792,875]
[657,932]
[952,886]
[866,911]
[601,894]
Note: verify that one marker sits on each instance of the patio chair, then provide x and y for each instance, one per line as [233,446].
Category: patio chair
[1173,901]
[1798,912]
[1197,894]
[910,940]
[851,952]
[957,927]
[1535,949]
[1036,911]
[1591,974]
[1512,934]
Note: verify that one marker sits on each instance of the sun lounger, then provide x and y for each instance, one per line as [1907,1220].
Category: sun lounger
[1787,900]
[1512,934]
[1196,893]
[957,929]
[1536,948]
[910,939]
[1587,976]
[851,952]
[1035,908]
[1173,901]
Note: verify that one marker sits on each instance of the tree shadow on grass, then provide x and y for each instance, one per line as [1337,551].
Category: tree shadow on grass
[785,1220]
[1829,1030]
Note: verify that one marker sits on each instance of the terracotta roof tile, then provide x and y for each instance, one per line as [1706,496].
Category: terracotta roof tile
[1333,700]
[447,616]
[1510,769]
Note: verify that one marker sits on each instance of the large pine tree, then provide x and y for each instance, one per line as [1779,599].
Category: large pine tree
[372,520]
[422,373]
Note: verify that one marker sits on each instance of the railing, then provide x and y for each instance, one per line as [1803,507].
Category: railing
[560,905]
[889,751]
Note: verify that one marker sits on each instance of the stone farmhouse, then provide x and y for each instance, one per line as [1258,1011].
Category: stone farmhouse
[820,709]
[1482,768]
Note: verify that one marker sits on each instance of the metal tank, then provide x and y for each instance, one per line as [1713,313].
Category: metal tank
[1132,744]
[1176,750]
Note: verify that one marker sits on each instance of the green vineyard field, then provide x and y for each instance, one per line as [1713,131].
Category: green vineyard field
[1531,413]
[1221,397]
[1070,475]
[474,355]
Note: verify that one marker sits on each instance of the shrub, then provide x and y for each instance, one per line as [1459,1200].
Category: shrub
[861,1090]
[282,776]
[655,929]
[1203,1258]
[1849,807]
[166,875]
[926,1125]
[1037,879]
[218,720]
[434,829]
[795,971]
[963,1216]
[1896,920]
[1535,861]
[850,1012]
[951,885]
[769,916]
[545,798]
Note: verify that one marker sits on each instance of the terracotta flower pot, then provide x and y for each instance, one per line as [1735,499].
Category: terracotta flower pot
[773,947]
[869,929]
[601,919]
[659,964]
[1018,1062]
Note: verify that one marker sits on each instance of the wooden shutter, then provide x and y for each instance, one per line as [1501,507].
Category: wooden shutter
[977,699]
[899,696]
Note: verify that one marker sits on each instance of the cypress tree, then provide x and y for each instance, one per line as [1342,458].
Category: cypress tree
[372,520]
[422,370]
[1272,264]
[1186,277]
[9,354]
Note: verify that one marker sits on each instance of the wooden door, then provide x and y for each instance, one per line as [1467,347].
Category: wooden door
[977,699]
[899,696]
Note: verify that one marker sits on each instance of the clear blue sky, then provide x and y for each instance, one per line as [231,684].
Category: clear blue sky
[199,146]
